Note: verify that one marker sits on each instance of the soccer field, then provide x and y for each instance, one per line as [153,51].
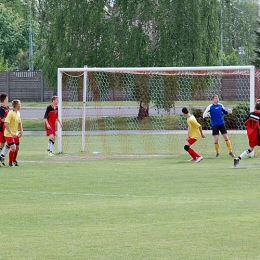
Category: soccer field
[128,208]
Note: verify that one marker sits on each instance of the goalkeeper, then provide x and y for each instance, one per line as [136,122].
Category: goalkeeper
[252,123]
[216,111]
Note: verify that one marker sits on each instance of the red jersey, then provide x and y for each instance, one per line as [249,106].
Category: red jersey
[51,115]
[253,128]
[3,114]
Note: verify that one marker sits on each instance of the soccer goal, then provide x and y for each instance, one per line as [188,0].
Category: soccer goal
[134,111]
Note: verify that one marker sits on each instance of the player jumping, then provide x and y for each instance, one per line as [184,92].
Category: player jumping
[216,111]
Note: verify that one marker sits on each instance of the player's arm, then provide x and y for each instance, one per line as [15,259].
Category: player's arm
[9,129]
[20,125]
[188,133]
[46,116]
[207,112]
[47,123]
[2,115]
[201,132]
[59,122]
[224,110]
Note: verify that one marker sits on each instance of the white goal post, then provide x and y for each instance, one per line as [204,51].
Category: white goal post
[118,90]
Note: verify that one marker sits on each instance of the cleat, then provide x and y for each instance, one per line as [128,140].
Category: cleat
[11,165]
[191,160]
[50,154]
[236,162]
[232,155]
[217,155]
[199,159]
[16,163]
[2,160]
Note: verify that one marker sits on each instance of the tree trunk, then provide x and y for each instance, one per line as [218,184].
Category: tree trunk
[143,111]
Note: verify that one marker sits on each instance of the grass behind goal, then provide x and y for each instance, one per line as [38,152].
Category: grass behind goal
[79,207]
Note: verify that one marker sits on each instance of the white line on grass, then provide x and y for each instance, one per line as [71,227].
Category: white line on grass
[119,196]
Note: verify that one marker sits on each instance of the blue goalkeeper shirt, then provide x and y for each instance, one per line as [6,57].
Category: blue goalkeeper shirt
[216,112]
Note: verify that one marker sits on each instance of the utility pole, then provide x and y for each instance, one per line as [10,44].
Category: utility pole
[221,34]
[31,65]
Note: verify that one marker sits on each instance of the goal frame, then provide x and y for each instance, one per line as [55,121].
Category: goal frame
[86,69]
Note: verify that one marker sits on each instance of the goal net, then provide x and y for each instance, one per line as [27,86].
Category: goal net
[135,111]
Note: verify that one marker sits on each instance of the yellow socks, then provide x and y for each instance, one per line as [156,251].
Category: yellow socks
[217,148]
[229,146]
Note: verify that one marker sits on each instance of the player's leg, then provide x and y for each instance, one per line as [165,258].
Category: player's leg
[243,155]
[229,145]
[195,156]
[11,154]
[2,142]
[7,147]
[215,133]
[51,141]
[252,144]
[216,144]
[223,131]
[14,160]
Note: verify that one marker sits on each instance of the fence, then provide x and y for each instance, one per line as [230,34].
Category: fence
[24,85]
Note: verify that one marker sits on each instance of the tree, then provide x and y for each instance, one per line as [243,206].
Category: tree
[127,33]
[256,61]
[12,35]
[239,21]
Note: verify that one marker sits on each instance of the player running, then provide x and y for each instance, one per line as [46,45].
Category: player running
[194,133]
[13,124]
[252,123]
[216,111]
[51,116]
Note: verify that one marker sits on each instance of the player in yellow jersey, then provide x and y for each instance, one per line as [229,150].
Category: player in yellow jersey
[194,133]
[13,124]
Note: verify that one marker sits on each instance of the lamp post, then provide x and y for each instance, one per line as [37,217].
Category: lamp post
[241,52]
[221,33]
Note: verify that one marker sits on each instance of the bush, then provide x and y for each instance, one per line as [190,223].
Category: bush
[234,121]
[205,122]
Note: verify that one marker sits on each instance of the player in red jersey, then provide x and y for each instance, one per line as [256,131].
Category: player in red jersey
[51,116]
[252,123]
[4,109]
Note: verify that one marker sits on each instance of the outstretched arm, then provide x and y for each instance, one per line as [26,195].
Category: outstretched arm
[206,112]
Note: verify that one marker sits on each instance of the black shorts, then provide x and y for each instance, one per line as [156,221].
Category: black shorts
[219,128]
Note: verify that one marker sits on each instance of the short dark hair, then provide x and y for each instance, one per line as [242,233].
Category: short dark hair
[3,97]
[185,110]
[257,106]
[53,98]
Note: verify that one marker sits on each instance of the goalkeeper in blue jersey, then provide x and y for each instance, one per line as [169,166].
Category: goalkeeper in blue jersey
[216,111]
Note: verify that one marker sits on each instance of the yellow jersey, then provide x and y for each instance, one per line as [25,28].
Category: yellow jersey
[194,126]
[13,119]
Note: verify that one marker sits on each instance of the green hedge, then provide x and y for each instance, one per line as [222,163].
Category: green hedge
[234,121]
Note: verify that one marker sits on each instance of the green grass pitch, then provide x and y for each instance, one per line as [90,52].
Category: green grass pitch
[128,208]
